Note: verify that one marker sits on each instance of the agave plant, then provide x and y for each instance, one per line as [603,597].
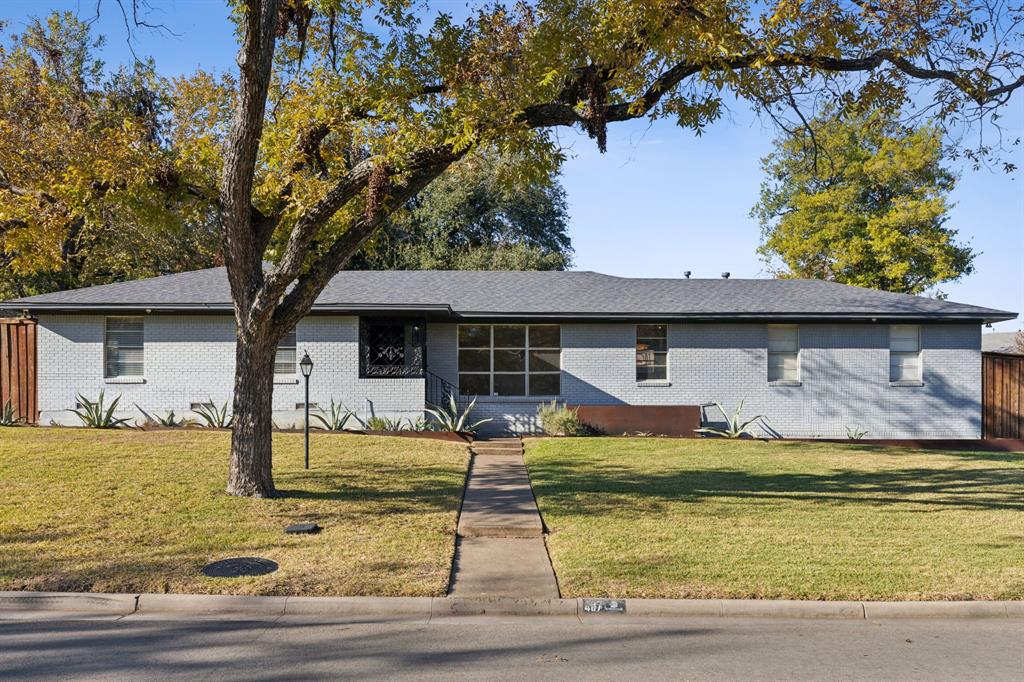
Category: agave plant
[7,415]
[735,426]
[167,420]
[854,433]
[96,415]
[336,418]
[214,417]
[375,423]
[450,418]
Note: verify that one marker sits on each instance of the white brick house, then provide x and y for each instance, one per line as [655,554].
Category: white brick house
[814,357]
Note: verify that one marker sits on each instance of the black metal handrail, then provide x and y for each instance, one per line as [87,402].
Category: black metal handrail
[438,389]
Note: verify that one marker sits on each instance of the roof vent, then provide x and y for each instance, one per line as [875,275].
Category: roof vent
[725,275]
[686,274]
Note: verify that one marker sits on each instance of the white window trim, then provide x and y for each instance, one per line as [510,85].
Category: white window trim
[652,383]
[288,377]
[526,361]
[799,364]
[919,379]
[124,378]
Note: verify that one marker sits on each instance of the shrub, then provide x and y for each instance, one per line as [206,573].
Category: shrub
[854,433]
[375,423]
[450,418]
[95,415]
[559,420]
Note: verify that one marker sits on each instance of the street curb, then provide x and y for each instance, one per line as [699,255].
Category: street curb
[29,604]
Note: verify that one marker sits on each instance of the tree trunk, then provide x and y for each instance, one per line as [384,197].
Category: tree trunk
[251,470]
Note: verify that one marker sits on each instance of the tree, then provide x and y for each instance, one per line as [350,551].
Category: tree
[89,192]
[342,112]
[472,219]
[869,207]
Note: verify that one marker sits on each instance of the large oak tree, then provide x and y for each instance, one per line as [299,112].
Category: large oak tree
[342,111]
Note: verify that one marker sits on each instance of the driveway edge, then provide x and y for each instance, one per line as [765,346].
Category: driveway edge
[30,604]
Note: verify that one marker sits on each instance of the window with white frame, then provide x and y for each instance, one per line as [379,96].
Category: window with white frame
[904,352]
[652,352]
[284,358]
[123,351]
[510,359]
[783,352]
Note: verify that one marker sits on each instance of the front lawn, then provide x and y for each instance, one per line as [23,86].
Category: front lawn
[654,517]
[131,511]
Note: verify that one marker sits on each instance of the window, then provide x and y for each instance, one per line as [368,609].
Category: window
[284,359]
[904,352]
[510,359]
[652,352]
[783,352]
[123,347]
[391,348]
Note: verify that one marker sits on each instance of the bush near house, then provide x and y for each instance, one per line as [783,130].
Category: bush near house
[660,517]
[129,510]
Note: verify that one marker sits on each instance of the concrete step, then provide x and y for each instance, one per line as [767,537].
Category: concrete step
[477,450]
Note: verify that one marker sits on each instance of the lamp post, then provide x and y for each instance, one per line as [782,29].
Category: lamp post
[306,366]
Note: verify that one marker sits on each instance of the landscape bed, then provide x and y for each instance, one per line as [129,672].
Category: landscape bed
[679,518]
[133,511]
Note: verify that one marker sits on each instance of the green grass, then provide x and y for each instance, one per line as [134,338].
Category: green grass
[126,511]
[653,517]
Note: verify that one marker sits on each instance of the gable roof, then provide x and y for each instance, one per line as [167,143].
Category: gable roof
[498,294]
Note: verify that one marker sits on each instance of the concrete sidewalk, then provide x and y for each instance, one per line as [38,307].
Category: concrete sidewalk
[500,549]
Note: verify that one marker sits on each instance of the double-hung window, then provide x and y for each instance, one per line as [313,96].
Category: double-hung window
[904,352]
[652,352]
[123,347]
[783,353]
[510,359]
[284,359]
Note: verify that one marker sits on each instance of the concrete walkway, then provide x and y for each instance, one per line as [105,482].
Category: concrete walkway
[500,549]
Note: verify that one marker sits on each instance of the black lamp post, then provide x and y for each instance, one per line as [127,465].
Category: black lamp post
[306,366]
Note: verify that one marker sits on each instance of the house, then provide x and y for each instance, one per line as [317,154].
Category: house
[1001,342]
[813,357]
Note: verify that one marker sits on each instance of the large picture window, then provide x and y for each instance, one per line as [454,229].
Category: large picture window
[123,351]
[510,359]
[904,352]
[652,352]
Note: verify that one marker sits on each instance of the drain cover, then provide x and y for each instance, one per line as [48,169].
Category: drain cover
[302,528]
[238,567]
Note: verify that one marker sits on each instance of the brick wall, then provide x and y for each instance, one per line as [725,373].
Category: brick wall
[190,358]
[844,377]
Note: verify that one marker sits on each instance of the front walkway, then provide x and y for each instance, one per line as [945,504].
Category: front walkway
[500,549]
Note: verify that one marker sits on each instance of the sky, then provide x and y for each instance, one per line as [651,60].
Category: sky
[661,201]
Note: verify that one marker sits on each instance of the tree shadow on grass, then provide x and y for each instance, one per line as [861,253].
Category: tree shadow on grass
[577,489]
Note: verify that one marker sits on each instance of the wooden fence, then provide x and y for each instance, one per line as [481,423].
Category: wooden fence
[1002,395]
[18,368]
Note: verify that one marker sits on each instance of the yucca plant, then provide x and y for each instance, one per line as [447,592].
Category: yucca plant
[167,420]
[735,426]
[95,415]
[7,415]
[213,417]
[335,419]
[450,418]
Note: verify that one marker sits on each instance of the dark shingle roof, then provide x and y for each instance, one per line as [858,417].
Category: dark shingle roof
[504,293]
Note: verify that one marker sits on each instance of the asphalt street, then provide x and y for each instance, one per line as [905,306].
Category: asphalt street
[480,648]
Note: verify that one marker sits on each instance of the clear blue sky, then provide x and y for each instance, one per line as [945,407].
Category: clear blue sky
[660,201]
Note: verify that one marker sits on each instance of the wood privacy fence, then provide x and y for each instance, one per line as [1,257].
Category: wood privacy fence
[18,368]
[1002,395]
